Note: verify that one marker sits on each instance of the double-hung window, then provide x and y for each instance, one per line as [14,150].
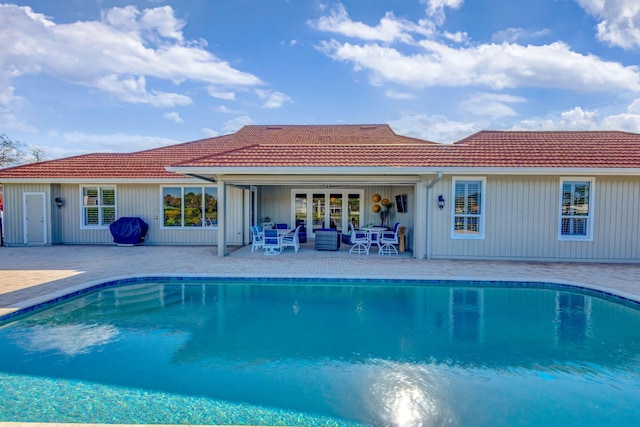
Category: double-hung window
[468,208]
[576,209]
[190,206]
[98,206]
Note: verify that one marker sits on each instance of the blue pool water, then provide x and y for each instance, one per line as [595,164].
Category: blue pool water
[325,354]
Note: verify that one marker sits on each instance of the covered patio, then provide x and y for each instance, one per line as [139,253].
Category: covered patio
[322,177]
[291,200]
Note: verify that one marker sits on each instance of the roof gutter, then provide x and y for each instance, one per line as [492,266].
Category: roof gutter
[398,170]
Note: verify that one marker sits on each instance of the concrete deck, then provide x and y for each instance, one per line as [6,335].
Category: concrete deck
[30,275]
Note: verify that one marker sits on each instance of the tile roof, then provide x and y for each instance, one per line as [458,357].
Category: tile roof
[349,146]
[410,155]
[325,135]
[556,149]
[148,164]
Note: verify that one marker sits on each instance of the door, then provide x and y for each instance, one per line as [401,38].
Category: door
[35,226]
[328,209]
[319,212]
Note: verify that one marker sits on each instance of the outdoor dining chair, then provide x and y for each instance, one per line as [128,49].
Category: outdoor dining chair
[388,241]
[291,239]
[257,240]
[271,242]
[360,242]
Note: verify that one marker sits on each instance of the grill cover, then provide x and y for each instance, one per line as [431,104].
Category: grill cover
[129,230]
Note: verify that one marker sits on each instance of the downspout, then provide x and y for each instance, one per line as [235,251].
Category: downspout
[429,210]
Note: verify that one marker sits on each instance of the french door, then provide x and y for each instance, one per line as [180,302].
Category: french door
[318,209]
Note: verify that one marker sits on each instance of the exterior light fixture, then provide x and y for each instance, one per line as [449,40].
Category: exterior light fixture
[441,202]
[59,201]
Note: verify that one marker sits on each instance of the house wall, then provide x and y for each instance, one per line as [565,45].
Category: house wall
[522,215]
[143,201]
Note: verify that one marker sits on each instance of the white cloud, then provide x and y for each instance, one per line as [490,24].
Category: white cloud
[274,100]
[10,122]
[226,110]
[70,340]
[433,128]
[221,94]
[390,28]
[209,133]
[458,37]
[574,119]
[491,104]
[619,21]
[628,121]
[6,94]
[496,66]
[236,123]
[134,90]
[512,35]
[399,95]
[116,143]
[173,117]
[440,129]
[435,8]
[114,54]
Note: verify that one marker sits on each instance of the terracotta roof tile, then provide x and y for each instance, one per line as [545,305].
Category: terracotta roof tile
[349,146]
[409,155]
[593,149]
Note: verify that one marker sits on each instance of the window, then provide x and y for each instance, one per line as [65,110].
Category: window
[468,209]
[575,209]
[190,206]
[98,206]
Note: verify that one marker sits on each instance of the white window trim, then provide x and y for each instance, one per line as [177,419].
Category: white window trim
[182,227]
[83,226]
[590,217]
[483,207]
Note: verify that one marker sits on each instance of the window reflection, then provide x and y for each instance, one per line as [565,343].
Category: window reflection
[573,317]
[466,314]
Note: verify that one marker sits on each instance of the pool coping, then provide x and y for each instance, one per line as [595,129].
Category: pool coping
[43,301]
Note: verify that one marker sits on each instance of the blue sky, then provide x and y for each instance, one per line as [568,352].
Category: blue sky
[79,76]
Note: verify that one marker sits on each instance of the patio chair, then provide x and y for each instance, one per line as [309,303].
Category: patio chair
[271,242]
[350,230]
[291,239]
[282,226]
[388,241]
[360,241]
[257,240]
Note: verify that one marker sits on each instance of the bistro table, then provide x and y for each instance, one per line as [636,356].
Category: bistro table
[374,233]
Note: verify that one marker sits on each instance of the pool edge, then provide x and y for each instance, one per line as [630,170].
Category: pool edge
[32,304]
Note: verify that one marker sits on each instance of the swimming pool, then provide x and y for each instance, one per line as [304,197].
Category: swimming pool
[303,352]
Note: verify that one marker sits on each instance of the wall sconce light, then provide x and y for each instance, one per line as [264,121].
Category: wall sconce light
[441,202]
[59,201]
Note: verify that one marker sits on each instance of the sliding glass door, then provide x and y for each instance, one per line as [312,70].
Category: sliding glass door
[327,209]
